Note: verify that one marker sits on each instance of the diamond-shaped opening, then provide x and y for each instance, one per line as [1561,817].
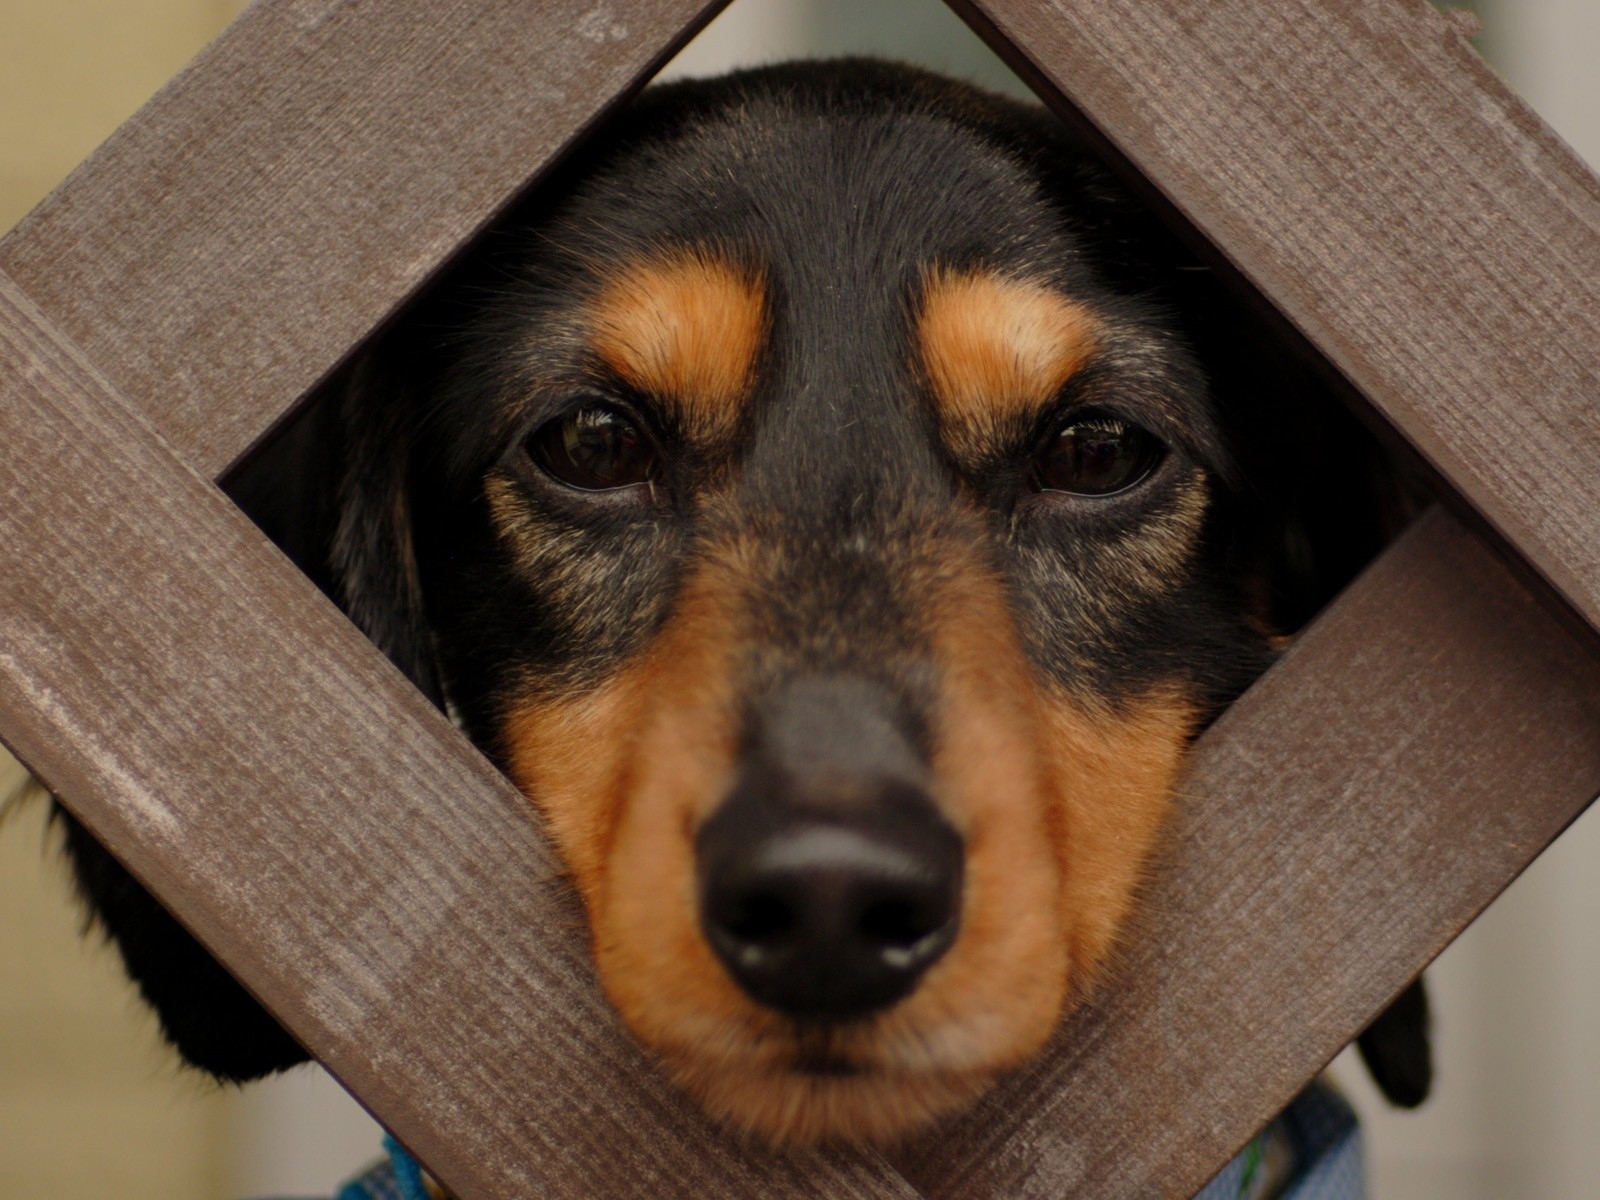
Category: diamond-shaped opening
[1319,494]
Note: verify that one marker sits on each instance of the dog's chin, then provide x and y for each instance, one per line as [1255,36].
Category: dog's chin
[812,1101]
[873,1081]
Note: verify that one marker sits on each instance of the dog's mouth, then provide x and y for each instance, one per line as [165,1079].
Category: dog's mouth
[872,1081]
[854,969]
[820,1052]
[829,1066]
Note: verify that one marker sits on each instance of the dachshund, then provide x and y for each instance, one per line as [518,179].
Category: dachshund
[837,504]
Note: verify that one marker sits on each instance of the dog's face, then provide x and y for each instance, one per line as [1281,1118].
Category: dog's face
[818,537]
[811,499]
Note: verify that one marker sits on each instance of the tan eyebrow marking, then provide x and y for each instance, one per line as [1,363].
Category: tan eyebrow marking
[687,329]
[994,346]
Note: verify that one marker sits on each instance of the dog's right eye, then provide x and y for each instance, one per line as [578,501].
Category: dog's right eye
[596,448]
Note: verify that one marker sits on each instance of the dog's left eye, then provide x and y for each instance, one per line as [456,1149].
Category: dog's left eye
[597,448]
[1097,456]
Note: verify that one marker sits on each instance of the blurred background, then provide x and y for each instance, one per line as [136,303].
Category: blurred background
[91,1106]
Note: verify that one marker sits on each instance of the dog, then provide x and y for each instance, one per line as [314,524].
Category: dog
[838,505]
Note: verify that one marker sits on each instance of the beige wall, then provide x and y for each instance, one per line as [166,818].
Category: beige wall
[72,70]
[90,1106]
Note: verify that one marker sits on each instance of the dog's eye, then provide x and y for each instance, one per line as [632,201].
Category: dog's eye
[1097,456]
[596,448]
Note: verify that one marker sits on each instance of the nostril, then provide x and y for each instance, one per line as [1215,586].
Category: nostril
[759,918]
[751,930]
[898,924]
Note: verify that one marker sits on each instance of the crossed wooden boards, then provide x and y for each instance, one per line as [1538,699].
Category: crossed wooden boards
[386,893]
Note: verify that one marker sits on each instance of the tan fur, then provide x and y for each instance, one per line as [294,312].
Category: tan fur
[1114,775]
[993,347]
[568,756]
[1058,807]
[688,330]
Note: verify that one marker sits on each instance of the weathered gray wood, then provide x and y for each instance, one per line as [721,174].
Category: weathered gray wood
[1339,826]
[300,806]
[283,195]
[1367,171]
[222,252]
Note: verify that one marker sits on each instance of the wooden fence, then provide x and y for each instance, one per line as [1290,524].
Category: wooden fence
[368,876]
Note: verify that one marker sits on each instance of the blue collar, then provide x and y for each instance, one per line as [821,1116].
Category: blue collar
[397,1178]
[1311,1152]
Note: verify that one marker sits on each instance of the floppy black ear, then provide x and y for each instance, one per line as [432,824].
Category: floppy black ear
[1311,498]
[371,560]
[1397,1048]
[205,1014]
[330,491]
[1315,496]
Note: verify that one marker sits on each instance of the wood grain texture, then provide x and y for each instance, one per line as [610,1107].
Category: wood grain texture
[1361,166]
[301,807]
[363,870]
[284,194]
[1338,826]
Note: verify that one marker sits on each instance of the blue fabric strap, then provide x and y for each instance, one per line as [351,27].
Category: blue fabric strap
[1311,1152]
[397,1178]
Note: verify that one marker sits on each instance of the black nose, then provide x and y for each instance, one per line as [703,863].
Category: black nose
[829,881]
[827,919]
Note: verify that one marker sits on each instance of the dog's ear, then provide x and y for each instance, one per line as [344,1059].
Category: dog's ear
[330,491]
[371,558]
[1313,495]
[1397,1048]
[1310,495]
[205,1014]
[1313,498]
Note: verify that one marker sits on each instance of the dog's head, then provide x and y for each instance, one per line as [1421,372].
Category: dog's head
[817,533]
[814,502]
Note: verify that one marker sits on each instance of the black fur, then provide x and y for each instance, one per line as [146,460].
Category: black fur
[844,182]
[1397,1050]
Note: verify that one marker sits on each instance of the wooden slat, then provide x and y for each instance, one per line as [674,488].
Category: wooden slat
[227,246]
[1339,826]
[300,806]
[1369,173]
[129,714]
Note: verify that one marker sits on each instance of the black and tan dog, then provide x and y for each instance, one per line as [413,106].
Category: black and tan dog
[838,507]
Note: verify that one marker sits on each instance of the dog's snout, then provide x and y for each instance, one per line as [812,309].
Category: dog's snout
[829,919]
